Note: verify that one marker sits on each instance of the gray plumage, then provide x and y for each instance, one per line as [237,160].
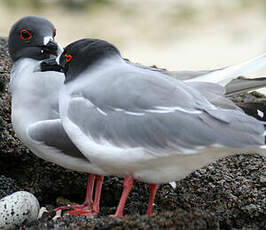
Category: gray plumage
[51,133]
[126,109]
[236,86]
[179,74]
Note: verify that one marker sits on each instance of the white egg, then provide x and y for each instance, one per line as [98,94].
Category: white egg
[18,208]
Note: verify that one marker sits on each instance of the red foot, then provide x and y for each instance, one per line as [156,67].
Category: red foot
[89,207]
[81,212]
[73,207]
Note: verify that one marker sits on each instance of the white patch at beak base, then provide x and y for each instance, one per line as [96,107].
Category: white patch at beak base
[46,39]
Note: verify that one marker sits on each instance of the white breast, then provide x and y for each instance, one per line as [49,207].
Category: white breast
[34,94]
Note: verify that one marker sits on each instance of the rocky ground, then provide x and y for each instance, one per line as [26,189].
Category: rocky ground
[227,194]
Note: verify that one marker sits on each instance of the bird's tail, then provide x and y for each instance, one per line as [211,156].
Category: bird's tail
[241,85]
[225,75]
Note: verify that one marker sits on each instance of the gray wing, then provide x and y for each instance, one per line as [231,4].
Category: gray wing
[152,113]
[188,74]
[235,86]
[180,74]
[52,134]
[214,93]
[141,90]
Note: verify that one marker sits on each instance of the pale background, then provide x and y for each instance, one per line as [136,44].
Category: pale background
[172,34]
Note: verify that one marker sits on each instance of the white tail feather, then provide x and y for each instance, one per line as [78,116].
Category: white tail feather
[224,76]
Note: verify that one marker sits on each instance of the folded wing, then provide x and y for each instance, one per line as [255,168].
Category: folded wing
[52,134]
[160,115]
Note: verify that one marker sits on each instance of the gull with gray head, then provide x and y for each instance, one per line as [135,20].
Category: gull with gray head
[35,111]
[142,124]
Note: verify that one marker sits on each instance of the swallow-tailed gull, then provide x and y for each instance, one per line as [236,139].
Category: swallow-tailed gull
[142,124]
[35,115]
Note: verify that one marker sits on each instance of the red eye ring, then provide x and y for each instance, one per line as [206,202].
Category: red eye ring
[68,57]
[25,35]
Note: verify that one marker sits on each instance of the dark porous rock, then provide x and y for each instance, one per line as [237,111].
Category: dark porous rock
[7,186]
[248,97]
[227,194]
[180,219]
[229,188]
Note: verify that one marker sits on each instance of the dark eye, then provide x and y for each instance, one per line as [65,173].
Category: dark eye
[25,35]
[54,34]
[68,57]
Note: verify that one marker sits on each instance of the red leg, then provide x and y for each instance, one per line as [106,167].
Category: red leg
[88,199]
[97,196]
[85,208]
[128,182]
[153,190]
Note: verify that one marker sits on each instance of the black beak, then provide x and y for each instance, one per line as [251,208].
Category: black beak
[51,48]
[50,65]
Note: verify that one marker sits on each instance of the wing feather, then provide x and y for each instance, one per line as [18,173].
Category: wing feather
[52,134]
[141,108]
